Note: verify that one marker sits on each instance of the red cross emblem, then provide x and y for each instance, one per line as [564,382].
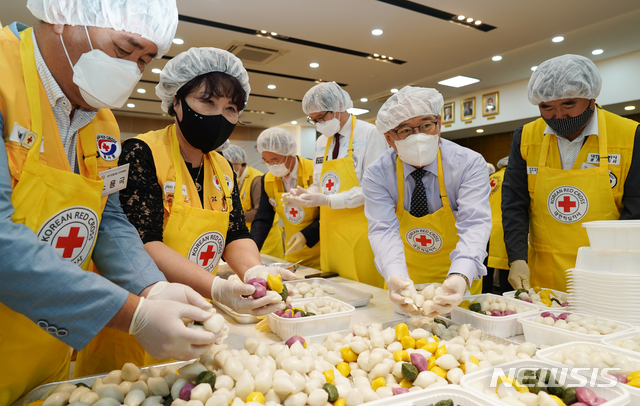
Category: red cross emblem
[493,183]
[70,243]
[330,185]
[423,240]
[30,139]
[293,212]
[567,204]
[207,255]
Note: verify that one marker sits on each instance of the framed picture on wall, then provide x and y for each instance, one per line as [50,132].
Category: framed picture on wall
[448,113]
[468,109]
[490,105]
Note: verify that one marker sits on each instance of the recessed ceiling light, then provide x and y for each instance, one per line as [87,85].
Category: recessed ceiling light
[461,18]
[271,87]
[356,111]
[496,58]
[141,91]
[275,34]
[469,20]
[377,31]
[314,64]
[294,122]
[458,81]
[178,41]
[131,105]
[364,100]
[557,39]
[533,68]
[376,55]
[390,58]
[597,52]
[394,90]
[263,31]
[479,130]
[156,70]
[478,22]
[628,108]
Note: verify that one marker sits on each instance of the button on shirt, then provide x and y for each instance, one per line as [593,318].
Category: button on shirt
[569,150]
[368,145]
[467,185]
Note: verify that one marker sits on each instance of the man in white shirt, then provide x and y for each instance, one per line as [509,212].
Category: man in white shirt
[343,151]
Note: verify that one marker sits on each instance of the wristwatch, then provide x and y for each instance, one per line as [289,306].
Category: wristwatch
[459,274]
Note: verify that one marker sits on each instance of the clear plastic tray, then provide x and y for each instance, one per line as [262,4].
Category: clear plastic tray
[614,234]
[512,295]
[610,341]
[619,262]
[460,396]
[354,297]
[239,318]
[616,395]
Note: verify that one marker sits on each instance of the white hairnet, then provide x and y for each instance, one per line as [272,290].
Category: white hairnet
[503,162]
[195,62]
[235,154]
[277,140]
[564,77]
[224,146]
[327,96]
[155,20]
[406,104]
[491,168]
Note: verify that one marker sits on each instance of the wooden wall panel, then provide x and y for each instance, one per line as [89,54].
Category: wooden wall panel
[492,147]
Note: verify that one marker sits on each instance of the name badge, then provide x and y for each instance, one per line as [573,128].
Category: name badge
[24,137]
[587,166]
[170,188]
[614,159]
[115,179]
[532,170]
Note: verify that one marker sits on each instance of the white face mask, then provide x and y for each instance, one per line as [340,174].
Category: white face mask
[329,128]
[104,82]
[418,149]
[278,170]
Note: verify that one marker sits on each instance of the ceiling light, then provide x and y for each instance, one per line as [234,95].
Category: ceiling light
[141,91]
[364,100]
[356,111]
[376,55]
[382,56]
[178,41]
[533,68]
[390,58]
[271,87]
[314,64]
[628,108]
[263,31]
[156,70]
[469,20]
[496,58]
[597,52]
[275,34]
[478,22]
[458,81]
[131,105]
[377,31]
[479,130]
[461,18]
[557,39]
[394,90]
[294,122]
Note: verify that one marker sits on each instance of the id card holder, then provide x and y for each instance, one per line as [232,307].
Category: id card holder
[115,179]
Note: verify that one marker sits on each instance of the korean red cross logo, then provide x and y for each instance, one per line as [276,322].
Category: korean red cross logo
[567,204]
[330,183]
[424,240]
[72,232]
[294,214]
[207,250]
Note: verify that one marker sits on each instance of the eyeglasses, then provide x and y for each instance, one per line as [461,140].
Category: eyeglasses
[274,161]
[427,127]
[317,120]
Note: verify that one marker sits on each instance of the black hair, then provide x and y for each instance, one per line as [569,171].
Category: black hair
[218,84]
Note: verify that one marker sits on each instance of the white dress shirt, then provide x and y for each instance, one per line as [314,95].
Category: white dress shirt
[569,150]
[466,181]
[368,145]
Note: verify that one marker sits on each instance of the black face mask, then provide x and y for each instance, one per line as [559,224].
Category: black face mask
[203,132]
[564,127]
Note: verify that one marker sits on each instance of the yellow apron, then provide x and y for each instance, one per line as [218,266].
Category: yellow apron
[344,240]
[429,240]
[273,245]
[295,218]
[497,251]
[196,233]
[44,198]
[563,200]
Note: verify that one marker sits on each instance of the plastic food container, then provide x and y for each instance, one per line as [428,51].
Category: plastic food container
[512,295]
[628,335]
[633,392]
[616,395]
[460,396]
[347,294]
[614,235]
[312,325]
[500,326]
[541,334]
[615,261]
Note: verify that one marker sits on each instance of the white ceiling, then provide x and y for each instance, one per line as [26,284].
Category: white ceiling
[433,49]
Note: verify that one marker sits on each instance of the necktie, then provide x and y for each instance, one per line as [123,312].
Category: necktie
[419,206]
[336,148]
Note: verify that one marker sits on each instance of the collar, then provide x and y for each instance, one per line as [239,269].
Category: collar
[346,128]
[294,172]
[241,177]
[409,169]
[54,93]
[590,129]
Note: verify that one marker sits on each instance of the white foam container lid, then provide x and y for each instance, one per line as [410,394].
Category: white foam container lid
[616,261]
[614,234]
[633,392]
[628,335]
[500,326]
[541,334]
[312,325]
[460,396]
[512,295]
[616,395]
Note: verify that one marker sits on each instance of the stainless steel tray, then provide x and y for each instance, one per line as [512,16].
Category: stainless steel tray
[354,297]
[239,318]
[38,392]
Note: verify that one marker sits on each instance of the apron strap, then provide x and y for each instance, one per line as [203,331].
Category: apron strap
[443,189]
[31,79]
[302,172]
[89,149]
[177,165]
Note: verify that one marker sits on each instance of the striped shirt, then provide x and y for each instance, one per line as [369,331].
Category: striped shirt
[61,106]
[569,150]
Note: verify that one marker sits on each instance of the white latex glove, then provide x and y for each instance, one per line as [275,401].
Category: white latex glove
[397,284]
[179,293]
[254,271]
[297,191]
[158,327]
[449,295]
[310,200]
[519,274]
[230,293]
[297,242]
